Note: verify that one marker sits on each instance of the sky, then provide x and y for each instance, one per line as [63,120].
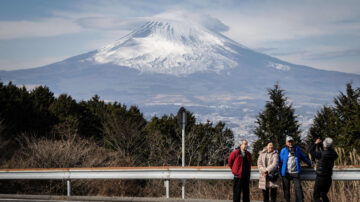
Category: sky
[323,34]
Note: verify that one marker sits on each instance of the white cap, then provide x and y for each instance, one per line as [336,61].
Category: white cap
[289,138]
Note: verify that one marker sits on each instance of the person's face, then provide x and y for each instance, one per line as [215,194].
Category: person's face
[244,145]
[290,143]
[270,147]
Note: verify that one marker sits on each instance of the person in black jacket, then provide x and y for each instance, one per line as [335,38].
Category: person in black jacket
[324,167]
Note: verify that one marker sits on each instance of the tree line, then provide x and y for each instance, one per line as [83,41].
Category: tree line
[116,127]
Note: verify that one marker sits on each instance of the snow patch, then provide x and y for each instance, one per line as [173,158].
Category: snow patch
[278,66]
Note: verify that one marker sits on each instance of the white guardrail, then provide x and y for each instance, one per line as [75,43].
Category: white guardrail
[164,173]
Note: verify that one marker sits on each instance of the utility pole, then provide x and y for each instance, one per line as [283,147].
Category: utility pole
[183,137]
[182,122]
[183,150]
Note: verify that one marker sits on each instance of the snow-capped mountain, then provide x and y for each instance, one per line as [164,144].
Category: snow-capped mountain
[166,63]
[170,47]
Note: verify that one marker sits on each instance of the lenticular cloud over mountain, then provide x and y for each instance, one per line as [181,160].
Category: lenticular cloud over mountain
[170,46]
[176,59]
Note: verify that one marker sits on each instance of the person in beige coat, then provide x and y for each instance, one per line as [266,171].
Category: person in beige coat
[268,164]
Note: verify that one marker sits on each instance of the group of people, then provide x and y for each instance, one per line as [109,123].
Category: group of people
[285,167]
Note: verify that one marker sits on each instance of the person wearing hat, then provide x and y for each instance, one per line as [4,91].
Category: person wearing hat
[240,165]
[290,157]
[324,167]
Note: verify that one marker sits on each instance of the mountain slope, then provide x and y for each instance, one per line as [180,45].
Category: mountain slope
[165,64]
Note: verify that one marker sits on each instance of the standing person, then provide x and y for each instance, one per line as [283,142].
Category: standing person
[268,164]
[240,164]
[290,157]
[324,168]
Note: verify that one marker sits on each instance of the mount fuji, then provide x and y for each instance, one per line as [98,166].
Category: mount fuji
[166,63]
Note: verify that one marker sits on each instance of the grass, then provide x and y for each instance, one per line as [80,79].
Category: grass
[73,151]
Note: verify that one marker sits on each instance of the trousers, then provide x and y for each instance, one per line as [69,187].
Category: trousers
[297,186]
[241,185]
[273,192]
[321,188]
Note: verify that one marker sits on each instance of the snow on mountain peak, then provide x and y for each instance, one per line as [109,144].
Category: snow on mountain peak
[170,46]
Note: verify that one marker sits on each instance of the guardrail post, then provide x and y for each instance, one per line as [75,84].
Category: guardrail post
[167,186]
[183,189]
[68,182]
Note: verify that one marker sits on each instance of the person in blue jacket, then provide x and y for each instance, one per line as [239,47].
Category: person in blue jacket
[290,157]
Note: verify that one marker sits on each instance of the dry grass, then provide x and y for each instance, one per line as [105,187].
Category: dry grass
[69,151]
[222,189]
[72,151]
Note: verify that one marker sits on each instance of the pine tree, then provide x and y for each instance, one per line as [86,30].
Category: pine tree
[340,122]
[275,123]
[324,125]
[42,119]
[347,109]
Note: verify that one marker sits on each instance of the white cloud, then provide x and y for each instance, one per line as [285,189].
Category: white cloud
[111,23]
[39,28]
[269,21]
[187,16]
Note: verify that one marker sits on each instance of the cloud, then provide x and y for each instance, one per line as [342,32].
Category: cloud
[213,24]
[255,23]
[39,28]
[111,23]
[187,16]
[336,54]
[115,23]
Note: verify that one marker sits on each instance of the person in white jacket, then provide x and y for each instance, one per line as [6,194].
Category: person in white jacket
[268,165]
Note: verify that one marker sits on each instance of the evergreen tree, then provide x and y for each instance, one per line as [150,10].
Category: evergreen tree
[347,109]
[340,122]
[43,120]
[65,109]
[324,125]
[16,109]
[92,116]
[275,123]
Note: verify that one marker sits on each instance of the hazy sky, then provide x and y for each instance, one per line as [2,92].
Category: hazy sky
[324,34]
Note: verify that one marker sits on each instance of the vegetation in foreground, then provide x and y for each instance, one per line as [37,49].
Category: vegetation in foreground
[38,130]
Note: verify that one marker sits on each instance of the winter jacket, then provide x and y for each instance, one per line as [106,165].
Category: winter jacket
[272,166]
[236,162]
[299,155]
[326,158]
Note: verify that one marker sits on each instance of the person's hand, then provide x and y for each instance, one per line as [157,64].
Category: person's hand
[263,171]
[317,141]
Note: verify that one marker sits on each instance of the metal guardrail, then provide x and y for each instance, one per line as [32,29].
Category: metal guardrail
[164,173]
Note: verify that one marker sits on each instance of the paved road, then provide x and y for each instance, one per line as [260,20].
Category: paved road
[48,198]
